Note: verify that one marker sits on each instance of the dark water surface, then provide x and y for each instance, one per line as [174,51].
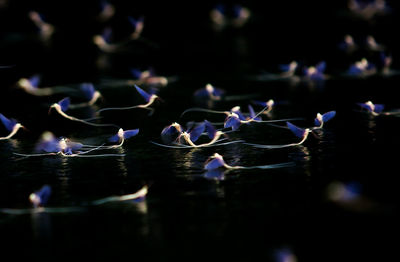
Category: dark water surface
[249,214]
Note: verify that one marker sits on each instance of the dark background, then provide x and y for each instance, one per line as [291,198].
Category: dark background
[248,216]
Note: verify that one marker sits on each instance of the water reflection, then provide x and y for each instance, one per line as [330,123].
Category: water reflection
[302,157]
[9,146]
[215,174]
[41,226]
[301,154]
[188,159]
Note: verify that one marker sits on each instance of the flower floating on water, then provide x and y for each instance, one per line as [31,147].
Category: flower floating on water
[362,68]
[222,17]
[41,197]
[11,125]
[321,119]
[49,145]
[149,98]
[217,161]
[46,30]
[374,109]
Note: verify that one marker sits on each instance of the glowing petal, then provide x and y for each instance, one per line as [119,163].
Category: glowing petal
[34,80]
[210,129]
[136,73]
[40,197]
[196,132]
[237,111]
[64,104]
[74,145]
[88,90]
[232,121]
[328,116]
[214,162]
[130,133]
[379,108]
[170,133]
[48,143]
[114,138]
[321,67]
[297,131]
[8,123]
[143,93]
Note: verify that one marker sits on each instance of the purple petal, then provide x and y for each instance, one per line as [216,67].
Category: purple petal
[196,132]
[297,131]
[321,67]
[134,22]
[365,106]
[130,133]
[354,70]
[233,122]
[42,195]
[88,90]
[8,123]
[210,129]
[236,11]
[353,190]
[143,93]
[169,130]
[240,115]
[216,174]
[379,108]
[68,151]
[136,73]
[35,80]
[64,104]
[252,113]
[328,116]
[114,138]
[74,146]
[49,145]
[260,103]
[204,93]
[169,134]
[218,92]
[214,163]
[370,66]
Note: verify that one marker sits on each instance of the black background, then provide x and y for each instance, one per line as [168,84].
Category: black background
[188,219]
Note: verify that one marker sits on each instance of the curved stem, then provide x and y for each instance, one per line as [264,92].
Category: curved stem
[58,109]
[13,132]
[151,101]
[276,120]
[141,193]
[288,164]
[33,155]
[101,155]
[199,109]
[280,146]
[216,137]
